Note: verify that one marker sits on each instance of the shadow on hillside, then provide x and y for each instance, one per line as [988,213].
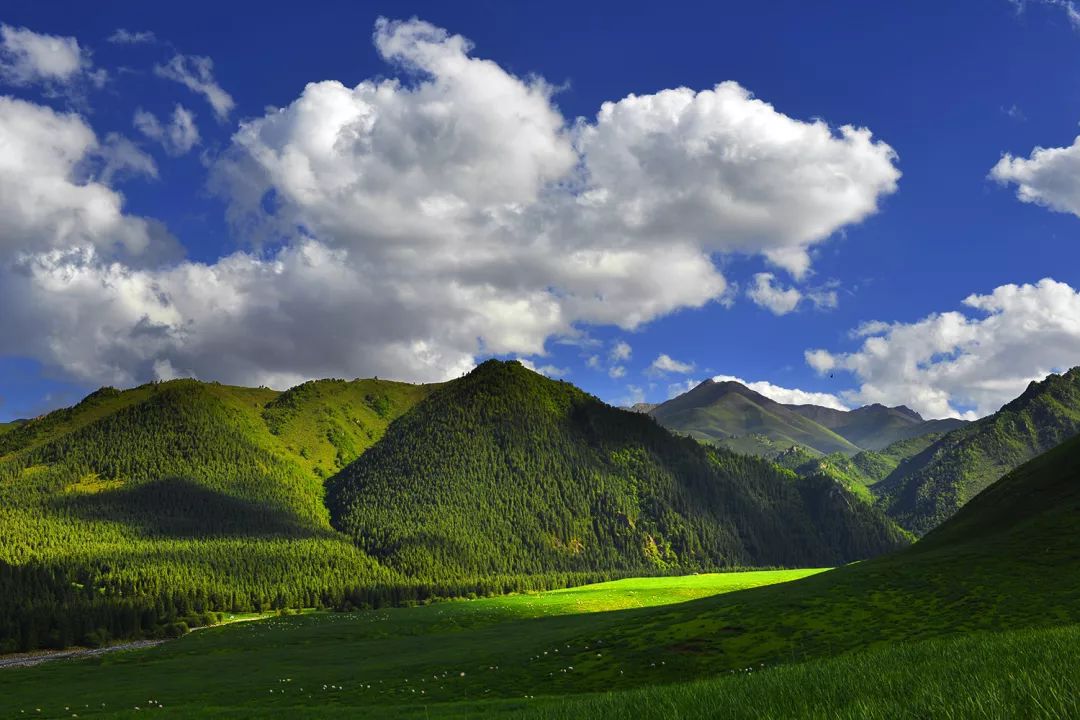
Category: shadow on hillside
[179,508]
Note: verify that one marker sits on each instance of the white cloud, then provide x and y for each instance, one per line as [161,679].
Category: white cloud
[676,389]
[775,298]
[178,137]
[635,394]
[823,298]
[593,362]
[123,157]
[46,200]
[550,371]
[787,396]
[1049,177]
[616,372]
[415,226]
[666,364]
[196,73]
[127,37]
[28,58]
[958,364]
[727,171]
[620,351]
[1069,7]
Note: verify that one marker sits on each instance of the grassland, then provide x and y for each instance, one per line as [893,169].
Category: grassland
[552,655]
[447,652]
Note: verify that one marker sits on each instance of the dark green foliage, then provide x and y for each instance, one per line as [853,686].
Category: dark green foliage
[135,508]
[505,471]
[931,486]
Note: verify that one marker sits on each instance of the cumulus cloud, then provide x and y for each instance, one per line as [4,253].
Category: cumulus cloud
[725,170]
[965,364]
[47,200]
[616,371]
[666,364]
[1049,177]
[412,226]
[178,137]
[777,299]
[122,36]
[787,396]
[196,73]
[29,58]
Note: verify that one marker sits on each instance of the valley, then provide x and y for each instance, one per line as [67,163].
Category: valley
[500,482]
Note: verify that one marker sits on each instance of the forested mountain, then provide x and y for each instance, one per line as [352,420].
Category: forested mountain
[136,510]
[505,471]
[859,472]
[935,483]
[875,427]
[1009,559]
[723,412]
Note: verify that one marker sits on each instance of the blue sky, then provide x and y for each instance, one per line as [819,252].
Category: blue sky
[302,291]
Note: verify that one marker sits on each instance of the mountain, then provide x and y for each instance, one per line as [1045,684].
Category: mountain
[9,426]
[875,427]
[506,471]
[859,472]
[1008,560]
[933,484]
[642,407]
[135,510]
[729,413]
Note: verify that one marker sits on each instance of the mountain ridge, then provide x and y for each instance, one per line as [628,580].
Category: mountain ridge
[619,490]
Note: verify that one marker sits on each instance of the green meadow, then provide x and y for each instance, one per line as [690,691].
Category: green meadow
[591,651]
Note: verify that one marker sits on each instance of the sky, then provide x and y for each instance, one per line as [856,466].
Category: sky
[842,203]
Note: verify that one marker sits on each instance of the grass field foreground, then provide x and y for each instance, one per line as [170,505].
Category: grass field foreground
[448,651]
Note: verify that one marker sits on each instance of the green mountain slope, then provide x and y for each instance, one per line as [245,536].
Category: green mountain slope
[858,472]
[722,412]
[982,624]
[934,484]
[326,424]
[875,427]
[505,471]
[1008,560]
[9,426]
[204,494]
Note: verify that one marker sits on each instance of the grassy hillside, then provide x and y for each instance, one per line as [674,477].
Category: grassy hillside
[326,424]
[9,426]
[875,427]
[935,483]
[505,471]
[134,511]
[978,619]
[860,472]
[722,411]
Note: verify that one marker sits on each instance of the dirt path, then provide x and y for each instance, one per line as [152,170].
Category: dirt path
[41,656]
[36,658]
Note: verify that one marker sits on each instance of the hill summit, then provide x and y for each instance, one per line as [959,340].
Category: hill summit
[506,471]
